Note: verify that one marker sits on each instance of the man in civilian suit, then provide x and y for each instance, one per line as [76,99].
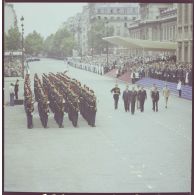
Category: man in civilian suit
[126,98]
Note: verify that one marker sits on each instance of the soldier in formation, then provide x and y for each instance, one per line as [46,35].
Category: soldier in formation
[28,102]
[42,99]
[67,95]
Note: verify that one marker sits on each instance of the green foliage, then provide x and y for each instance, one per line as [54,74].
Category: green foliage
[33,43]
[99,29]
[60,44]
[12,40]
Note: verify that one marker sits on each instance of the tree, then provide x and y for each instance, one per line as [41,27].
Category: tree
[99,29]
[60,44]
[33,43]
[12,40]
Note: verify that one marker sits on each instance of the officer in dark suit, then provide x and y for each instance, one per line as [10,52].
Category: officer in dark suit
[116,94]
[29,111]
[126,98]
[75,110]
[60,111]
[92,109]
[155,99]
[142,97]
[133,97]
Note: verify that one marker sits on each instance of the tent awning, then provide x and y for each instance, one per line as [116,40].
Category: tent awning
[141,44]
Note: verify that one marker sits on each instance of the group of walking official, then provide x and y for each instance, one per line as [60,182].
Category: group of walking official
[136,98]
[62,95]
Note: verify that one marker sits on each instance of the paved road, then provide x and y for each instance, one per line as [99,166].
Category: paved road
[147,152]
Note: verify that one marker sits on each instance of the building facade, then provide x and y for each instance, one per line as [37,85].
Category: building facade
[156,22]
[118,15]
[185,32]
[115,15]
[10,19]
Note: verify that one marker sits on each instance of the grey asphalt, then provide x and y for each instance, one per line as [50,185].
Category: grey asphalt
[147,152]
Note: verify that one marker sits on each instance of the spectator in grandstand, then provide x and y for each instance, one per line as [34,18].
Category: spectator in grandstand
[179,87]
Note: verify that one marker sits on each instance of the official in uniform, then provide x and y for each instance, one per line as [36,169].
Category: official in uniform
[116,94]
[126,98]
[29,112]
[155,99]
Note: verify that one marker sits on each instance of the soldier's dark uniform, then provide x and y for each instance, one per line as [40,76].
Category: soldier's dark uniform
[92,110]
[133,96]
[28,102]
[116,94]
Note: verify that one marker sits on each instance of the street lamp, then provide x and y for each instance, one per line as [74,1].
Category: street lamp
[107,42]
[22,25]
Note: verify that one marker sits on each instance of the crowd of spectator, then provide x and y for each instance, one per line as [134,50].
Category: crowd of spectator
[162,67]
[12,67]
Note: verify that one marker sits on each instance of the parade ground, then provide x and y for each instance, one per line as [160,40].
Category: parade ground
[144,152]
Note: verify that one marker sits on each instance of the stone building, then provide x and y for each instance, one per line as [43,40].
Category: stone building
[184,32]
[10,19]
[156,22]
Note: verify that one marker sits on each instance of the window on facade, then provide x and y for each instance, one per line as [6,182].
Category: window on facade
[125,24]
[125,18]
[165,37]
[179,56]
[179,32]
[168,33]
[118,18]
[111,11]
[186,52]
[179,13]
[186,13]
[105,18]
[118,10]
[99,11]
[99,17]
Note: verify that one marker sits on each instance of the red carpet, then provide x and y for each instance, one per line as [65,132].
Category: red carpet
[111,73]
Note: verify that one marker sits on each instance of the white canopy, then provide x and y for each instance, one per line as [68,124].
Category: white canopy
[141,44]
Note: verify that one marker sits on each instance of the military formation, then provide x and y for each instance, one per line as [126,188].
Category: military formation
[28,101]
[61,95]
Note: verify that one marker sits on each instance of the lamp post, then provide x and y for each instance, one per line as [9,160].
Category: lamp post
[107,42]
[22,25]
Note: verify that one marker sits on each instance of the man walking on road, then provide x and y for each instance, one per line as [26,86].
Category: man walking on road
[142,98]
[133,97]
[166,93]
[155,99]
[126,98]
[116,92]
